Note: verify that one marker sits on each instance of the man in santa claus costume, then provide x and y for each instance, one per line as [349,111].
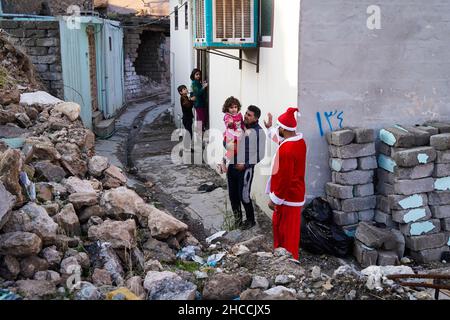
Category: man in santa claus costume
[286,186]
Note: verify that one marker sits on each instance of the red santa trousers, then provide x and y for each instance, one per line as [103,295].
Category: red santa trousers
[286,228]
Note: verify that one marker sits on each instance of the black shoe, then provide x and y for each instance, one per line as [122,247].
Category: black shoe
[248,225]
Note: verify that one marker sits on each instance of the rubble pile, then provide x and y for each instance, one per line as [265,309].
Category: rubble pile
[17,73]
[414,187]
[69,226]
[352,161]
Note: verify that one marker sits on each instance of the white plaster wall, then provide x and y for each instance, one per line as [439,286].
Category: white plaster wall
[273,89]
[181,57]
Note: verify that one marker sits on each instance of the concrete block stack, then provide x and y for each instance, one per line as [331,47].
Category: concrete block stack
[406,176]
[352,161]
[378,246]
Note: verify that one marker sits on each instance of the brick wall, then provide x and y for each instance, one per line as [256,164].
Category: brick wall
[39,40]
[145,75]
[34,6]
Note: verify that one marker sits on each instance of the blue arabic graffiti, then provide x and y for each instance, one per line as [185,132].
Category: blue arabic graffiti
[329,117]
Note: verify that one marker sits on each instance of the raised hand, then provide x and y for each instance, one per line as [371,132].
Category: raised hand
[268,123]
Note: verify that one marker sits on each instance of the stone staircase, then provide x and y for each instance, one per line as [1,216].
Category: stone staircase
[103,128]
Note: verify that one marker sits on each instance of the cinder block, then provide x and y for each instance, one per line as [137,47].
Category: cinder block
[387,258]
[441,170]
[340,137]
[414,156]
[385,218]
[429,241]
[440,212]
[431,130]
[366,215]
[339,191]
[421,137]
[397,137]
[410,187]
[385,176]
[413,173]
[383,203]
[429,255]
[363,190]
[442,184]
[385,188]
[420,228]
[387,150]
[440,141]
[343,165]
[359,204]
[373,236]
[445,224]
[365,255]
[364,135]
[354,150]
[401,202]
[387,163]
[353,177]
[441,126]
[345,218]
[411,215]
[367,163]
[442,156]
[334,203]
[399,246]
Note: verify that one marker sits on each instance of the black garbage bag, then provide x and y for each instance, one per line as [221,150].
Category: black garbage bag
[319,234]
[318,210]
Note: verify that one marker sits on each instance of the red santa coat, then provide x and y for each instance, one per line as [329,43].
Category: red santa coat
[286,186]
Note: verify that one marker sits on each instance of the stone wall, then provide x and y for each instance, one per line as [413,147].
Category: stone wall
[147,66]
[40,40]
[34,6]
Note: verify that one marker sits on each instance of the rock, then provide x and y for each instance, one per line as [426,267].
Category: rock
[38,98]
[167,285]
[43,150]
[70,109]
[259,282]
[73,162]
[224,287]
[283,279]
[239,249]
[52,256]
[114,177]
[190,240]
[97,165]
[51,208]
[316,273]
[101,277]
[33,218]
[67,219]
[9,267]
[121,202]
[47,171]
[76,185]
[94,211]
[70,266]
[36,289]
[257,243]
[63,242]
[6,116]
[59,191]
[158,250]
[30,265]
[121,234]
[23,120]
[87,291]
[7,201]
[163,225]
[48,275]
[10,167]
[282,252]
[83,199]
[134,284]
[281,293]
[20,244]
[44,192]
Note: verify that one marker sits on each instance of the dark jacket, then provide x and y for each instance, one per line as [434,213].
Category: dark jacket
[199,94]
[252,146]
[186,107]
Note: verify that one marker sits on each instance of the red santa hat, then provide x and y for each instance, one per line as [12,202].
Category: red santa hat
[288,120]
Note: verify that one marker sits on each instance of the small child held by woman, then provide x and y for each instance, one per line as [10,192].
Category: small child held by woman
[234,127]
